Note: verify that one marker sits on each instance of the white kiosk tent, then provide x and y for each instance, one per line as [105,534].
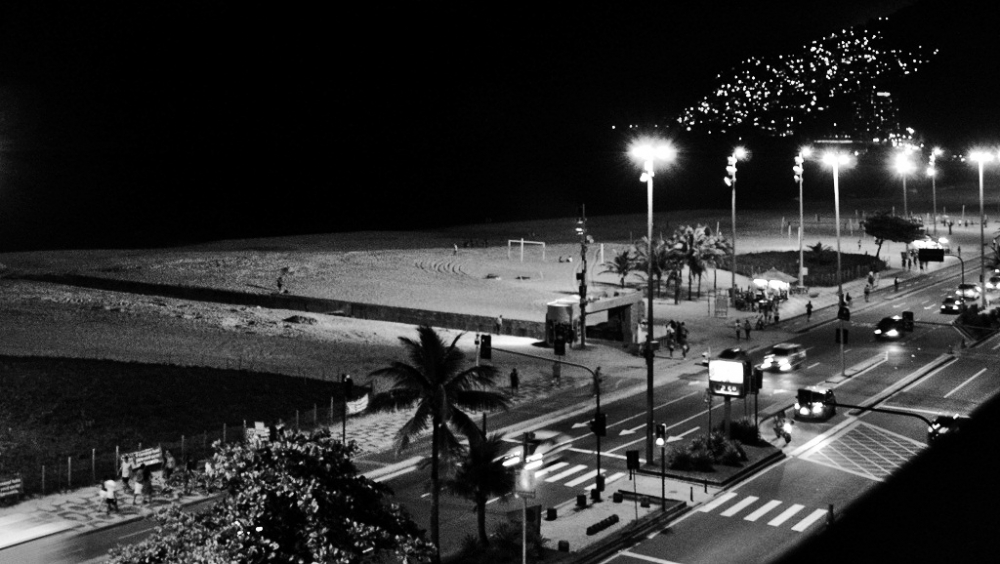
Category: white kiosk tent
[774,280]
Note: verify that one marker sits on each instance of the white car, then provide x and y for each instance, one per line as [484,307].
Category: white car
[969,291]
[993,283]
[544,447]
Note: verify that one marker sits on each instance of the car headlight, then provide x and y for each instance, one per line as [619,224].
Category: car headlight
[796,406]
[878,331]
[804,410]
[891,333]
[817,408]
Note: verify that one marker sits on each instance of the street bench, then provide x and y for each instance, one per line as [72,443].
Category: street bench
[11,487]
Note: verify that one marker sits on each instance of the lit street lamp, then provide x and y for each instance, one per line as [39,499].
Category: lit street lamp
[649,153]
[798,170]
[904,166]
[932,172]
[981,157]
[836,160]
[730,180]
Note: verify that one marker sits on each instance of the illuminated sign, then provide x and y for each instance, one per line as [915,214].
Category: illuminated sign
[728,377]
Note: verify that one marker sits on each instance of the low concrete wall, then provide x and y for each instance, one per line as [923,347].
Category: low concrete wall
[447,320]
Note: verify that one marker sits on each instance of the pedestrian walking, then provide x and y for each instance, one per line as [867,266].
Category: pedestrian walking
[456,249]
[777,316]
[809,310]
[895,283]
[848,299]
[670,345]
[746,328]
[859,244]
[108,489]
[499,324]
[868,292]
[126,470]
[738,327]
[138,485]
[871,278]
[515,380]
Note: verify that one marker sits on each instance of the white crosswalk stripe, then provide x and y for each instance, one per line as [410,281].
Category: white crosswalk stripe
[812,518]
[763,510]
[786,515]
[581,479]
[748,502]
[739,506]
[548,469]
[721,499]
[607,480]
[566,473]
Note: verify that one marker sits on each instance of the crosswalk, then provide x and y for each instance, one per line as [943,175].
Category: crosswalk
[754,512]
[562,473]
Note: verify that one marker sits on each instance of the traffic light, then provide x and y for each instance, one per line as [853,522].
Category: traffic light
[797,169]
[560,346]
[661,434]
[757,382]
[844,313]
[599,425]
[486,347]
[730,170]
[348,385]
[632,460]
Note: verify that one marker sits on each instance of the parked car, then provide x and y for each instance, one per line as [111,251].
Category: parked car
[953,304]
[970,291]
[944,425]
[544,447]
[890,328]
[815,402]
[731,353]
[784,356]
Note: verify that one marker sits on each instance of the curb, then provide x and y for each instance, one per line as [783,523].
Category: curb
[135,518]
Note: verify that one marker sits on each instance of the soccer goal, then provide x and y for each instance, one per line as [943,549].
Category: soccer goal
[521,243]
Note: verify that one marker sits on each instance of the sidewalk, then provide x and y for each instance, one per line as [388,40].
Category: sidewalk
[539,400]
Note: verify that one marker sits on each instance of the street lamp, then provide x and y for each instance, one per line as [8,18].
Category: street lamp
[649,153]
[836,160]
[730,180]
[661,441]
[932,173]
[798,170]
[904,166]
[981,157]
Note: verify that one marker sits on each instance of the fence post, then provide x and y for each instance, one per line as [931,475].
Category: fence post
[43,479]
[296,420]
[183,454]
[331,410]
[118,460]
[93,465]
[315,415]
[69,472]
[223,433]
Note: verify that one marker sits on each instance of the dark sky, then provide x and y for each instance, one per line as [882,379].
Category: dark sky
[130,122]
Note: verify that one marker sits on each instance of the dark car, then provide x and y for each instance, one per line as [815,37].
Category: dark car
[814,402]
[944,425]
[953,304]
[784,356]
[890,328]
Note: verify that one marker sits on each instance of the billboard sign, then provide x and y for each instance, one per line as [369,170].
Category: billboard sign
[729,378]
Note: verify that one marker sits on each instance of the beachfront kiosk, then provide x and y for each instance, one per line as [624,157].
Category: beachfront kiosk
[612,315]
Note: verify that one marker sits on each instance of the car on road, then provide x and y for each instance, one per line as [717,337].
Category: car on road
[968,290]
[546,445]
[944,425]
[815,402]
[953,304]
[890,328]
[784,356]
[734,353]
[993,283]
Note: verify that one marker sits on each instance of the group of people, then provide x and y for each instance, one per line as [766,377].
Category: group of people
[911,258]
[677,337]
[745,327]
[138,478]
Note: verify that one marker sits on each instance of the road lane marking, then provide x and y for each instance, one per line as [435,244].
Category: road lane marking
[580,479]
[608,454]
[719,501]
[997,346]
[643,414]
[647,558]
[959,387]
[608,480]
[392,468]
[912,409]
[812,518]
[569,472]
[926,377]
[739,506]
[811,365]
[930,306]
[681,422]
[898,305]
[763,510]
[548,469]
[786,515]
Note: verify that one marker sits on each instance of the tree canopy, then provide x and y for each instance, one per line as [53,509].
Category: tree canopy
[296,499]
[884,226]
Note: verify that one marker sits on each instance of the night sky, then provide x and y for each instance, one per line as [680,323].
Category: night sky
[157,123]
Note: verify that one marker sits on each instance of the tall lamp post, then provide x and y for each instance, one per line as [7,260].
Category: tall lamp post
[730,180]
[798,169]
[649,153]
[932,172]
[981,157]
[904,166]
[836,160]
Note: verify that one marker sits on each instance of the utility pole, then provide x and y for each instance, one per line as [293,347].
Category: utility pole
[581,230]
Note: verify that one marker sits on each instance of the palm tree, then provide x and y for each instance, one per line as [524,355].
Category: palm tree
[662,260]
[701,249]
[621,265]
[481,476]
[441,389]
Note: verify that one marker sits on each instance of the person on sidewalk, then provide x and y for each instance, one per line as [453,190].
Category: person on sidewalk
[895,283]
[126,470]
[868,292]
[138,486]
[682,339]
[848,299]
[746,328]
[738,327]
[777,316]
[169,464]
[515,381]
[809,310]
[499,324]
